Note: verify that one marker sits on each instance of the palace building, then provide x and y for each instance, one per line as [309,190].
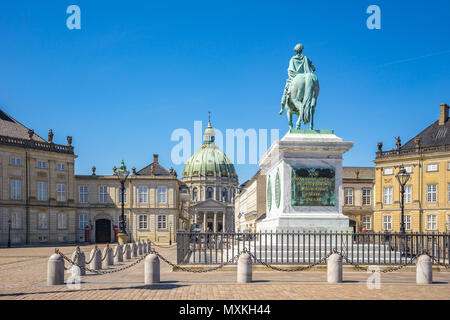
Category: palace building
[357,189]
[250,203]
[43,201]
[426,157]
[212,181]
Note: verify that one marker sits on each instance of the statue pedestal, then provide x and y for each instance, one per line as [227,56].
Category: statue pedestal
[304,182]
[122,238]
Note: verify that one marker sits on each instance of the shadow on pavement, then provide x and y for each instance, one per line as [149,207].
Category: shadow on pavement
[165,285]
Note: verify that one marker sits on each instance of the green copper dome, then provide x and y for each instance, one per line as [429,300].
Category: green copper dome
[209,160]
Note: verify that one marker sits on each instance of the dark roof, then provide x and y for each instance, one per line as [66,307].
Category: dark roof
[158,170]
[244,184]
[434,135]
[261,217]
[10,127]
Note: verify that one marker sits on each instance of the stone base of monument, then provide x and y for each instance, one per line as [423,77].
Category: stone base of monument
[304,182]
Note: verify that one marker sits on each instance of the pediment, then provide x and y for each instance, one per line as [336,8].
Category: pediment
[210,204]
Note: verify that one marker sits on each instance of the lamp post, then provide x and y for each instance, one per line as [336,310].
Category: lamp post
[9,233]
[170,234]
[402,177]
[122,174]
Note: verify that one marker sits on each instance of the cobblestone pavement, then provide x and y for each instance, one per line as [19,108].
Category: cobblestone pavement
[23,275]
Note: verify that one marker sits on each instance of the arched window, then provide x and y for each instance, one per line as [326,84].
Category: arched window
[194,194]
[225,195]
[209,193]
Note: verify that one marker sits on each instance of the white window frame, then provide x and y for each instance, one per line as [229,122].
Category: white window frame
[388,196]
[16,189]
[16,220]
[103,194]
[366,221]
[408,222]
[432,167]
[432,193]
[143,221]
[408,193]
[83,221]
[15,161]
[387,222]
[61,192]
[61,166]
[408,169]
[83,194]
[42,164]
[432,222]
[62,221]
[43,221]
[366,198]
[162,222]
[143,194]
[348,196]
[42,190]
[162,194]
[448,192]
[388,171]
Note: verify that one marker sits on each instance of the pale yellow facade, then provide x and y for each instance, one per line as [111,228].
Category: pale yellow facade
[357,197]
[427,198]
[43,201]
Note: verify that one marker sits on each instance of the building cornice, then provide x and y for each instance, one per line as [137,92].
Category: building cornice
[36,145]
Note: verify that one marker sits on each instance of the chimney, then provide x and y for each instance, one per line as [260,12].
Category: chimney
[443,115]
[155,158]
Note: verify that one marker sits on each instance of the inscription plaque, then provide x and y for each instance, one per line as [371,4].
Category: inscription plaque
[312,186]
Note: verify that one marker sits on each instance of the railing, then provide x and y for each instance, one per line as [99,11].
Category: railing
[394,152]
[32,144]
[298,248]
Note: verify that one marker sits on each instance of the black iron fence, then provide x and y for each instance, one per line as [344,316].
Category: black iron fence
[300,248]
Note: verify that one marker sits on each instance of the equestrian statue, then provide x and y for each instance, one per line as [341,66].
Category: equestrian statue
[301,90]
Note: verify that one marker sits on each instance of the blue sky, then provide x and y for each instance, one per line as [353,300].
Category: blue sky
[137,70]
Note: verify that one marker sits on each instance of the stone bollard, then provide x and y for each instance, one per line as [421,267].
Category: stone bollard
[96,259]
[244,269]
[118,254]
[140,248]
[424,272]
[134,250]
[55,270]
[151,269]
[80,259]
[334,268]
[109,256]
[127,251]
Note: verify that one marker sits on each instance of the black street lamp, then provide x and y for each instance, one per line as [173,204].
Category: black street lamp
[122,174]
[9,233]
[170,234]
[402,177]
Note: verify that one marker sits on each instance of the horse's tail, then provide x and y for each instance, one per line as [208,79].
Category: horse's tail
[308,97]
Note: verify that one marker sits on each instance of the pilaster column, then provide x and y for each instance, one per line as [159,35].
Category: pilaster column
[204,221]
[215,222]
[224,221]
